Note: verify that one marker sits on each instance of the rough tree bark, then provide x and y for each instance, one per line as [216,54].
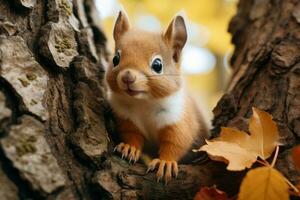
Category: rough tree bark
[54,121]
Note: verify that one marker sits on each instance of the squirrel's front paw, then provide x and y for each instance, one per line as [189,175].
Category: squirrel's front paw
[171,168]
[128,152]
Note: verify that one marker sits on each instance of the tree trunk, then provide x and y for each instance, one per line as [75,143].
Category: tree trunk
[54,121]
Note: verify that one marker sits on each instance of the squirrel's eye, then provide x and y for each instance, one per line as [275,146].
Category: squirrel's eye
[116,59]
[157,65]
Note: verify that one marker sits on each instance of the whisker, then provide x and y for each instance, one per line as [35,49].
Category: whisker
[149,76]
[163,75]
[137,82]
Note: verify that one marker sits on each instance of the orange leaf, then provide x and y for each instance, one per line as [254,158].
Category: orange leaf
[239,149]
[263,131]
[210,193]
[265,183]
[232,154]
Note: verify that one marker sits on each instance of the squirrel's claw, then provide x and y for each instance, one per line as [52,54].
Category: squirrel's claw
[168,174]
[119,147]
[115,148]
[125,151]
[137,155]
[175,169]
[171,167]
[160,171]
[152,165]
[128,152]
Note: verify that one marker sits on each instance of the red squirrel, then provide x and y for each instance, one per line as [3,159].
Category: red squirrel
[146,92]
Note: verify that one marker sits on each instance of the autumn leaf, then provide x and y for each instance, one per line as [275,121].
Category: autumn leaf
[210,193]
[237,157]
[263,131]
[296,156]
[239,149]
[264,183]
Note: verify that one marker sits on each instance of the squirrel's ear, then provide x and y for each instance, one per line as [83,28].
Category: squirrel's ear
[176,36]
[121,26]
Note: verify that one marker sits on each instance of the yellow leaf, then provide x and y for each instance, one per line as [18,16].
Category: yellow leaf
[236,157]
[264,183]
[234,135]
[264,131]
[239,149]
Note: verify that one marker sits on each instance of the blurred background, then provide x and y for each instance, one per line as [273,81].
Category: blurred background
[205,59]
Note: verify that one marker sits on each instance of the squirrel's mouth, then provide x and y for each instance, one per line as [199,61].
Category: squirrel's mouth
[132,92]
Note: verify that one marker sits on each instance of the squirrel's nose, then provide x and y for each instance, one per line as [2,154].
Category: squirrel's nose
[128,78]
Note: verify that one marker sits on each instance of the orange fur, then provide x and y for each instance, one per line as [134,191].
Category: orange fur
[130,134]
[176,139]
[163,96]
[137,48]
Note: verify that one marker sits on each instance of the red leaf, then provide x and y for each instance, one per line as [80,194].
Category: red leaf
[296,156]
[210,193]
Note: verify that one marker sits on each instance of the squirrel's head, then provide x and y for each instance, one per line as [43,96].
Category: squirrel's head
[146,64]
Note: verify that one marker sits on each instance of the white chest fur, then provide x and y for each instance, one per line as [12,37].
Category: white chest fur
[149,115]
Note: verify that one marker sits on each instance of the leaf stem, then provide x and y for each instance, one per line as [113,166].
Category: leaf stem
[286,180]
[292,186]
[275,156]
[263,162]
